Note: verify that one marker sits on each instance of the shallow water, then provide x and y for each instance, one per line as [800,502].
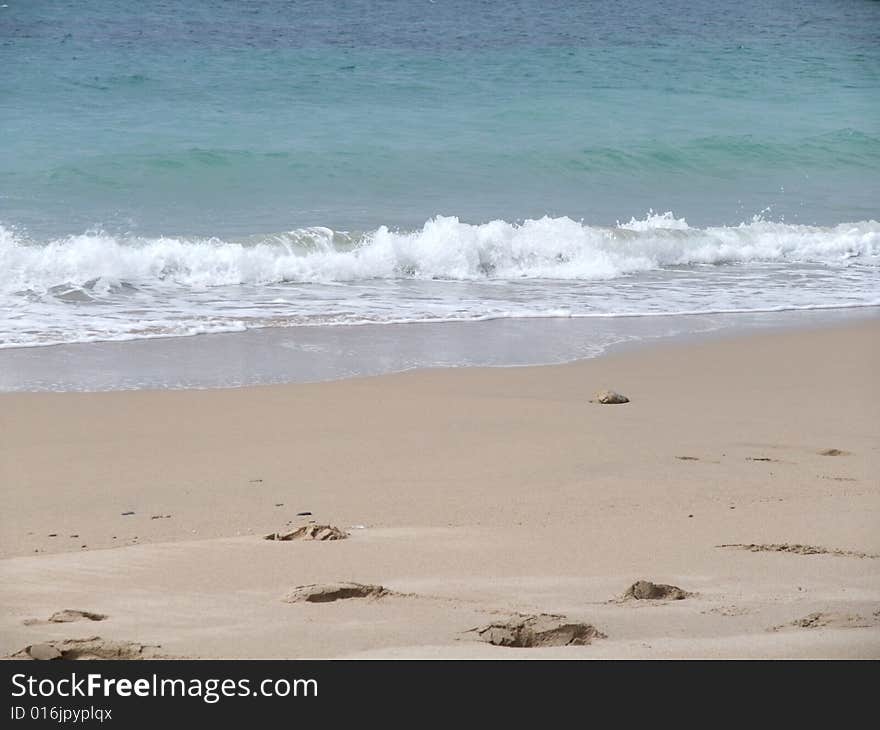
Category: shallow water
[275,355]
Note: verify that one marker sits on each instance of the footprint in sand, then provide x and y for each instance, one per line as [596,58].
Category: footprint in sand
[528,631]
[797,549]
[645,590]
[66,616]
[309,532]
[328,592]
[728,611]
[93,647]
[828,620]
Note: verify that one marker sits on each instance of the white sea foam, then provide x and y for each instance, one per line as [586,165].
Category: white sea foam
[95,286]
[444,248]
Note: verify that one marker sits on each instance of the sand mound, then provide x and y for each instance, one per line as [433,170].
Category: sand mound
[784,547]
[91,648]
[609,397]
[310,532]
[645,590]
[327,592]
[538,630]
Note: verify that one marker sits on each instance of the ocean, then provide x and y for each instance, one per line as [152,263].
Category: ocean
[175,169]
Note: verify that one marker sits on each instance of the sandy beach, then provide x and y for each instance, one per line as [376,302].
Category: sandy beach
[473,496]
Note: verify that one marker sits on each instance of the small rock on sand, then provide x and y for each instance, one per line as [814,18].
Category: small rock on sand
[609,397]
[327,592]
[309,532]
[833,452]
[538,630]
[646,590]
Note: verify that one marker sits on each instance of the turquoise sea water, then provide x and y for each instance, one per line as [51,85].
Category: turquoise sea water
[173,168]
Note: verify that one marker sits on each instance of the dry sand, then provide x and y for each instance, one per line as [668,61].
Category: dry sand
[475,498]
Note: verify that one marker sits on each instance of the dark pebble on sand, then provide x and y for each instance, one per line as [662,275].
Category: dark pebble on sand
[280,504]
[126,514]
[303,514]
[53,534]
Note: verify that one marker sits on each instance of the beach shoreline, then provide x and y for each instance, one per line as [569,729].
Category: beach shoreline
[322,353]
[469,493]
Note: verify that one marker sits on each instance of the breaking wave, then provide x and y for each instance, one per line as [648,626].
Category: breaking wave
[444,248]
